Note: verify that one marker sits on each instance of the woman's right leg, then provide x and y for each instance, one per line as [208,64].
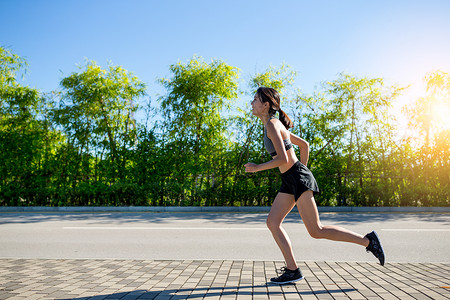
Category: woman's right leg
[308,211]
[281,206]
[310,216]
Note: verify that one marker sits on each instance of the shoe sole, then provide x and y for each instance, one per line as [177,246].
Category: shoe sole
[381,246]
[285,282]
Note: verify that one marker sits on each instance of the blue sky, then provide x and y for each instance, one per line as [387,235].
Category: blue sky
[398,40]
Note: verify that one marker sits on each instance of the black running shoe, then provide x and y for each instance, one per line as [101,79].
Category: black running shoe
[375,246]
[287,276]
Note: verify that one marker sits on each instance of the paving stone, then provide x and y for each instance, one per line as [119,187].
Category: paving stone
[139,279]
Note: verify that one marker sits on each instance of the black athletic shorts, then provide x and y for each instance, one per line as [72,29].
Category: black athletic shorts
[297,180]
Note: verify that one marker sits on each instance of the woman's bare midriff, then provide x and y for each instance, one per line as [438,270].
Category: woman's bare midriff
[292,159]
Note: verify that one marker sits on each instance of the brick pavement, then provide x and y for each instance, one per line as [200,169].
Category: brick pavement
[187,279]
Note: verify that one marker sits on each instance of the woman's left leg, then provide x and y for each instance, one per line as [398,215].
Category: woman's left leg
[310,215]
[281,207]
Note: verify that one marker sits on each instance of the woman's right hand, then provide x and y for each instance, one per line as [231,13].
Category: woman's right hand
[251,167]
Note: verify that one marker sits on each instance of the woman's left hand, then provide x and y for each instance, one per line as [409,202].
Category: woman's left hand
[251,167]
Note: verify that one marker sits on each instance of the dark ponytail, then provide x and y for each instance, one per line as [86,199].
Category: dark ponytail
[285,120]
[271,95]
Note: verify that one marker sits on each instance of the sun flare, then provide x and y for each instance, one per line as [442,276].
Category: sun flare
[440,113]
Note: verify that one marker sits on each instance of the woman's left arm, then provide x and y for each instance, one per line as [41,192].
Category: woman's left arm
[304,148]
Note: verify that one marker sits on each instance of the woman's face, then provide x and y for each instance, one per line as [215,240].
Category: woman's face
[259,107]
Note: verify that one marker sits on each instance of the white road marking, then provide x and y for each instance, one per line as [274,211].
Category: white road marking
[228,228]
[161,228]
[417,229]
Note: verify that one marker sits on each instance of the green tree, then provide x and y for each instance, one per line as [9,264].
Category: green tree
[197,94]
[27,141]
[428,117]
[351,136]
[18,103]
[96,112]
[424,114]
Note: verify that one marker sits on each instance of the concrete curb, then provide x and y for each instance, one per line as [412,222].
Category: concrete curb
[217,209]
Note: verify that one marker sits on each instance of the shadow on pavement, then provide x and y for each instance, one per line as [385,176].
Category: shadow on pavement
[208,292]
[227,218]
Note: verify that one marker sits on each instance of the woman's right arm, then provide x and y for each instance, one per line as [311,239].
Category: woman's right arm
[304,147]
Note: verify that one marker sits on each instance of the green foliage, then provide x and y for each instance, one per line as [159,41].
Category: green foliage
[425,115]
[97,107]
[27,143]
[355,154]
[96,112]
[10,64]
[197,93]
[81,145]
[430,163]
[276,78]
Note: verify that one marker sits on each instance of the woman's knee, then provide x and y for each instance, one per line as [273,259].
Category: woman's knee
[273,224]
[316,232]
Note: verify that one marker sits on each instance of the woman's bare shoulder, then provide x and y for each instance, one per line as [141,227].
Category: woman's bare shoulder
[274,126]
[274,122]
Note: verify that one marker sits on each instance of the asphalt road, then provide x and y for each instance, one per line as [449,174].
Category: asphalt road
[406,237]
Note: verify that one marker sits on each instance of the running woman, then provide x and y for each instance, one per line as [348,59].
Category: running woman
[298,187]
